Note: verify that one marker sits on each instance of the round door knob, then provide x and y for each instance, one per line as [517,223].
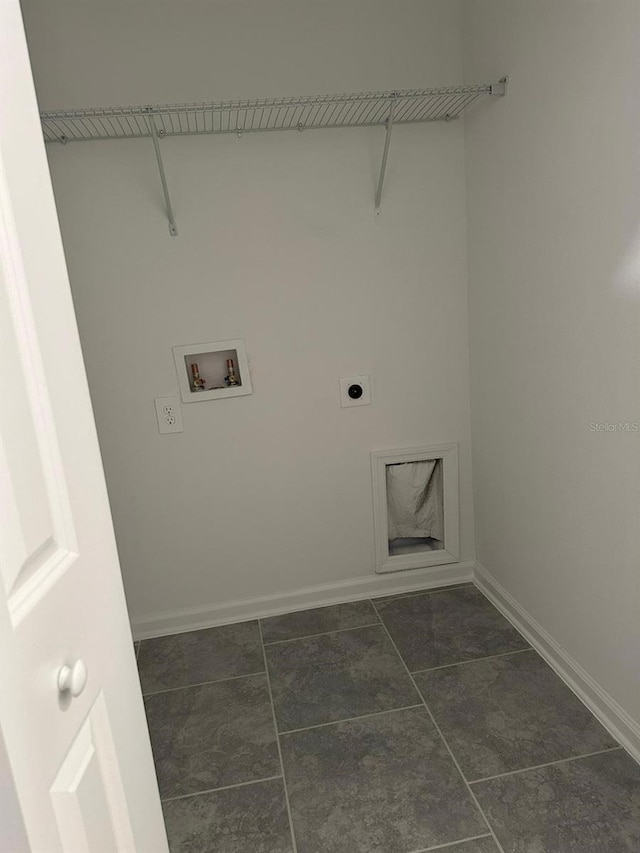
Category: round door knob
[73,678]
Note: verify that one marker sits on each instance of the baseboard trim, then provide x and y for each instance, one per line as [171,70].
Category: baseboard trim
[612,716]
[369,586]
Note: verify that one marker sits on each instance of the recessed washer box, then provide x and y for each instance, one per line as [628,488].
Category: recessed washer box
[213,370]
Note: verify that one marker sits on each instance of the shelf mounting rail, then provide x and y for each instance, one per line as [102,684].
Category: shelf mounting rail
[368,109]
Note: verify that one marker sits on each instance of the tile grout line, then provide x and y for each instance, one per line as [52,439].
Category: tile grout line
[451,843]
[471,660]
[221,788]
[202,683]
[321,633]
[350,719]
[547,764]
[444,741]
[275,729]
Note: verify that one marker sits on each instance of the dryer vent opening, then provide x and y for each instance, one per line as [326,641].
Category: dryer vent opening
[415,506]
[415,503]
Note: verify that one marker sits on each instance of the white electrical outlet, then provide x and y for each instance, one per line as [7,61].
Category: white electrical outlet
[168,414]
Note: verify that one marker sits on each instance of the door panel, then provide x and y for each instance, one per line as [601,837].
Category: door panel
[88,796]
[33,482]
[79,759]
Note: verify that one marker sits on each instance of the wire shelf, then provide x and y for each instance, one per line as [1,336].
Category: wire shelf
[369,109]
[307,113]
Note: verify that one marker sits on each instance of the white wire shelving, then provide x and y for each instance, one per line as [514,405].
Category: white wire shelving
[369,109]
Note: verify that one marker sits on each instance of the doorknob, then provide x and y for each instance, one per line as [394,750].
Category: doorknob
[73,678]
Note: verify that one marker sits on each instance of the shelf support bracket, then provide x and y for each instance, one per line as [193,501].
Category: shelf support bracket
[173,228]
[385,153]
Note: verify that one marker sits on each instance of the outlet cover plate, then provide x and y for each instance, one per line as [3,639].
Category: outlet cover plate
[346,384]
[169,414]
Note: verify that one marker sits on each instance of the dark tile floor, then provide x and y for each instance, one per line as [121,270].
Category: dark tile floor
[411,723]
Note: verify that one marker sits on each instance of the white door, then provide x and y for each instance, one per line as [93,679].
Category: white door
[79,757]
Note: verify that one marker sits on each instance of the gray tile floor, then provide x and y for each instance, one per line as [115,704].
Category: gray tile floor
[405,724]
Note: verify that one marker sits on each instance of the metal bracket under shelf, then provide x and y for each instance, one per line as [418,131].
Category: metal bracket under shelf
[173,229]
[385,153]
[369,109]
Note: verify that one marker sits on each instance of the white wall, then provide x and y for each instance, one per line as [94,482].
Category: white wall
[554,274]
[279,245]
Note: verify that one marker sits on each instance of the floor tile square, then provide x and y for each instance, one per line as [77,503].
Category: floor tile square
[384,784]
[508,713]
[590,805]
[248,819]
[354,614]
[452,626]
[198,656]
[336,677]
[212,735]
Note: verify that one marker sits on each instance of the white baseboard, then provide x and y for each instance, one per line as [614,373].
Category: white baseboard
[369,586]
[612,716]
